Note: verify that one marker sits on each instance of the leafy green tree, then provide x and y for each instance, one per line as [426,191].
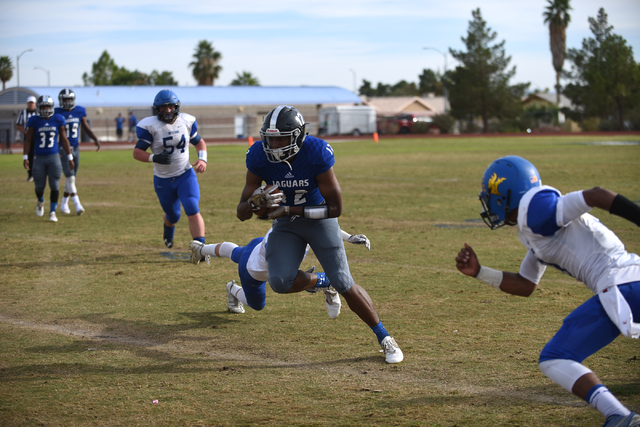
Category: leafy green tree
[383,90]
[124,77]
[480,86]
[557,16]
[366,89]
[205,64]
[404,88]
[6,70]
[164,78]
[102,71]
[105,72]
[430,82]
[605,79]
[245,79]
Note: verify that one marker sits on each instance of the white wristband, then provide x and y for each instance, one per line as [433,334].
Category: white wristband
[25,157]
[150,158]
[202,155]
[70,156]
[490,276]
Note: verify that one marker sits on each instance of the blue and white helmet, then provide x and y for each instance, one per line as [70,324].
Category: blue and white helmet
[503,184]
[166,97]
[44,106]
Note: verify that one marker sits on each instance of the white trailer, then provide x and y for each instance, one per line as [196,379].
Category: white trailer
[347,120]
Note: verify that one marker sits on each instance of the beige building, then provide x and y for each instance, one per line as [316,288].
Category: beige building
[548,100]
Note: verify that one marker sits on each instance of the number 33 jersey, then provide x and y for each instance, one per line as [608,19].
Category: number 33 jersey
[174,138]
[45,132]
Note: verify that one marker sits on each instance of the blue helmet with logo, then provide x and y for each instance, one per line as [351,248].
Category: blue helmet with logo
[503,184]
[166,97]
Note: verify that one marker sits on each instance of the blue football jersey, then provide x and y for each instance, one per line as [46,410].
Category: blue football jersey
[298,184]
[45,132]
[73,120]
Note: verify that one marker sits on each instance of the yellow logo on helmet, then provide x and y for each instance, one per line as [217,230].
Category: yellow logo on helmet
[494,181]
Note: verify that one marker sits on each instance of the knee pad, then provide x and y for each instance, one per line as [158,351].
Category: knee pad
[70,185]
[563,372]
[281,285]
[173,217]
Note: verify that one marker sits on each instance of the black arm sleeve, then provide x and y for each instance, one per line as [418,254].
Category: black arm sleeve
[625,208]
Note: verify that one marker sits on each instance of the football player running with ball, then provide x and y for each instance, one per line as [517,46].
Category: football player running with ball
[557,230]
[169,134]
[310,203]
[75,118]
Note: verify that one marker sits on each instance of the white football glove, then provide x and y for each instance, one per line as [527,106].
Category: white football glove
[280,211]
[269,198]
[360,239]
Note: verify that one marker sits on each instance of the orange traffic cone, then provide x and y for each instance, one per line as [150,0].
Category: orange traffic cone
[250,141]
[375,137]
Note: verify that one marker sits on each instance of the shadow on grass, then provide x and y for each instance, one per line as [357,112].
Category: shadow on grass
[110,259]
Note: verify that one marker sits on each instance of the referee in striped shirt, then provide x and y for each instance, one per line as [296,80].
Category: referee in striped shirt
[21,124]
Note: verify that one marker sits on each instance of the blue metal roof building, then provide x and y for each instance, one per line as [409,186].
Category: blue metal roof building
[142,96]
[221,111]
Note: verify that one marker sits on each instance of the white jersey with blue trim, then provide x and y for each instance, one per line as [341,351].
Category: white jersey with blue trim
[558,231]
[257,263]
[174,138]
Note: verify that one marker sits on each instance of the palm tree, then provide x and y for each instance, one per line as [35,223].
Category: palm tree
[205,65]
[557,16]
[245,79]
[6,70]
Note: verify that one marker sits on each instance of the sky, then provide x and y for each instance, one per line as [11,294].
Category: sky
[287,43]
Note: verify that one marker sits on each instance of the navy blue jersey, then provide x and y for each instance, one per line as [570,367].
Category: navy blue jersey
[298,184]
[45,133]
[74,122]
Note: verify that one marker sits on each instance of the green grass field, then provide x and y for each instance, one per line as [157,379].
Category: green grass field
[98,319]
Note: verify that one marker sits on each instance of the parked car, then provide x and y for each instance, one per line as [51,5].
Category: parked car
[403,123]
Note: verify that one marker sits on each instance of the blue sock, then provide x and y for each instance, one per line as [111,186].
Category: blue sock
[199,239]
[323,281]
[53,207]
[593,389]
[380,331]
[41,199]
[168,232]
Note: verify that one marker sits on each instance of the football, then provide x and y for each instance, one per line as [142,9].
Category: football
[265,211]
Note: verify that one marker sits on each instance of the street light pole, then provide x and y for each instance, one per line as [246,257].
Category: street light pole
[444,87]
[18,63]
[355,85]
[46,71]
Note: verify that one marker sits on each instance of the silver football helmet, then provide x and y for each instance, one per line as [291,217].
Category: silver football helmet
[44,106]
[283,121]
[67,99]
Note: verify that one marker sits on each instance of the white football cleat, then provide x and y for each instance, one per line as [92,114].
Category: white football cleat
[196,253]
[332,300]
[631,420]
[392,353]
[79,210]
[53,217]
[65,209]
[233,304]
[40,209]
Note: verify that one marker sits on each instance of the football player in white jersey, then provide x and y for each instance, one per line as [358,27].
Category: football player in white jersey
[253,271]
[169,134]
[558,231]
